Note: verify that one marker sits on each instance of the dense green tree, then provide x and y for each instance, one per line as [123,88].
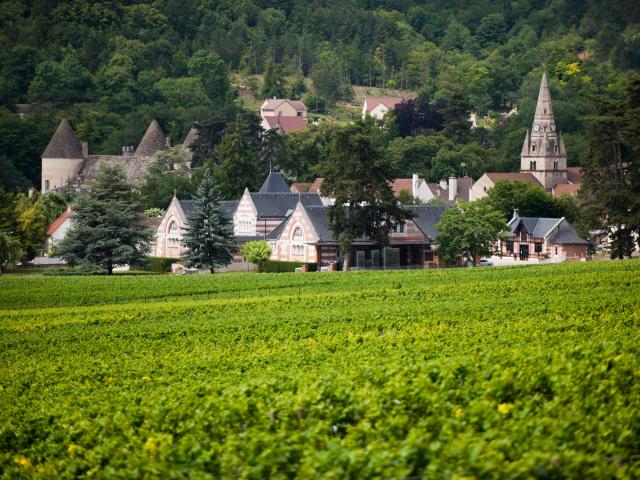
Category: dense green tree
[357,175]
[611,178]
[10,252]
[272,151]
[213,73]
[529,199]
[469,230]
[54,204]
[328,77]
[275,85]
[31,222]
[238,161]
[168,175]
[209,236]
[106,230]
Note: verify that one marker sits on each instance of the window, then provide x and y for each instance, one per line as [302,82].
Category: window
[46,185]
[399,228]
[533,147]
[244,225]
[297,247]
[538,248]
[299,114]
[173,235]
[510,246]
[555,165]
[556,250]
[523,236]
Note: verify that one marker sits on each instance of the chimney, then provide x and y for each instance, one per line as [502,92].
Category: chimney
[85,150]
[516,213]
[443,184]
[31,192]
[453,187]
[414,184]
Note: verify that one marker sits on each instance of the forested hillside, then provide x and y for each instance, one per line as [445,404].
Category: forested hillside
[111,66]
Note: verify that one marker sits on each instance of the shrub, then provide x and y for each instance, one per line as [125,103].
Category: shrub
[274,266]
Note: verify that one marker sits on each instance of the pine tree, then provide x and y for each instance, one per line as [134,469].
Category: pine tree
[106,231]
[209,238]
[239,167]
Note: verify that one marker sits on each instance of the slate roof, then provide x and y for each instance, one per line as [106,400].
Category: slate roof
[152,141]
[426,217]
[558,230]
[280,205]
[274,183]
[64,143]
[275,233]
[188,206]
[229,207]
[135,167]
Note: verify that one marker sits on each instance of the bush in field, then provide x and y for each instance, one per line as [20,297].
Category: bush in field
[256,252]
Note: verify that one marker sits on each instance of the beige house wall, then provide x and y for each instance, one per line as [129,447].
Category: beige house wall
[285,109]
[480,188]
[285,250]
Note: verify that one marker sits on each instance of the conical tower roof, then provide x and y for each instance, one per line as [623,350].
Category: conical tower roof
[152,141]
[544,109]
[191,137]
[64,143]
[275,183]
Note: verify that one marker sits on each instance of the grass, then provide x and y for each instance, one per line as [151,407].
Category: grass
[525,372]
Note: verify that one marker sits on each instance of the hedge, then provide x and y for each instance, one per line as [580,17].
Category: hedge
[158,264]
[275,266]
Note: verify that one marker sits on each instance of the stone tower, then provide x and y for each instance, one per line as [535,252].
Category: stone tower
[63,157]
[543,154]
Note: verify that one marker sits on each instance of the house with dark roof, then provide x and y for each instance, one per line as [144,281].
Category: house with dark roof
[171,229]
[543,239]
[66,159]
[305,236]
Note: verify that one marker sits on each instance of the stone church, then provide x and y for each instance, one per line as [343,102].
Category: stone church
[543,159]
[66,159]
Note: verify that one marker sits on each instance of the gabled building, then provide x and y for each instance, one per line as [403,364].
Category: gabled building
[305,236]
[487,181]
[173,226]
[66,159]
[542,238]
[283,115]
[377,107]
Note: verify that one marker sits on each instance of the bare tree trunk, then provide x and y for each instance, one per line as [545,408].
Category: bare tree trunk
[109,268]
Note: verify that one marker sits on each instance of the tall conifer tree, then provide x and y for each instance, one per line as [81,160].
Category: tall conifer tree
[209,237]
[106,229]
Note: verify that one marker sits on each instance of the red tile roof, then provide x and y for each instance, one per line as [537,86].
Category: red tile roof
[300,187]
[400,184]
[574,174]
[287,124]
[389,102]
[566,189]
[315,186]
[58,222]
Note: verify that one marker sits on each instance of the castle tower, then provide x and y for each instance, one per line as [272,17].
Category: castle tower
[543,153]
[63,157]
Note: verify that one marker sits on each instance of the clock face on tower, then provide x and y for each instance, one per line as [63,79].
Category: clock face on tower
[536,127]
[553,127]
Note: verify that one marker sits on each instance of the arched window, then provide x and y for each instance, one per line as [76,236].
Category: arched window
[297,244]
[555,148]
[244,225]
[533,147]
[173,234]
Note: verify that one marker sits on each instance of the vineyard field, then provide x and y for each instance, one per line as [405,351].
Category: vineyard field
[524,372]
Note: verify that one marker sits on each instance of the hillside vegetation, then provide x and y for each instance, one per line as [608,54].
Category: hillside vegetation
[528,372]
[111,66]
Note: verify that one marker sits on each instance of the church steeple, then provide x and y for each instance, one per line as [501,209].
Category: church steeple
[543,154]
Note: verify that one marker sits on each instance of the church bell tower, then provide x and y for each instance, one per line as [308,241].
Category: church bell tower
[543,153]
